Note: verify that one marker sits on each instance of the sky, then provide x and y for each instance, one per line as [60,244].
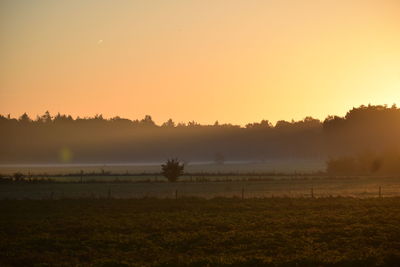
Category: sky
[207,60]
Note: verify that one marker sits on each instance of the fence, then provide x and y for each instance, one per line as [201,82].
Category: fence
[361,188]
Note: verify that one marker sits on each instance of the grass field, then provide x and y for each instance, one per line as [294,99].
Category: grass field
[199,232]
[361,187]
[273,165]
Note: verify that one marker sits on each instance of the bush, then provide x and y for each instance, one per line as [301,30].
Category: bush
[172,169]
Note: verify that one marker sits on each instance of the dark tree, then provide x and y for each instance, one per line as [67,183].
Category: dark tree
[24,118]
[147,121]
[172,169]
[170,124]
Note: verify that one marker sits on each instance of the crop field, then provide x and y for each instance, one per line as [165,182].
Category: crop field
[199,232]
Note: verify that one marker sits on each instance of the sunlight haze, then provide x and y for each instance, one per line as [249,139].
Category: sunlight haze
[231,61]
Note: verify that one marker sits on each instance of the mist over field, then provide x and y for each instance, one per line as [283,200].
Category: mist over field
[199,133]
[369,132]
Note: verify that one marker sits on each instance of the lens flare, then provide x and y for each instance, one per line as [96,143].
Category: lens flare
[65,155]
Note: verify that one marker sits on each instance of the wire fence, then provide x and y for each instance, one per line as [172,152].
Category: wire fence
[360,188]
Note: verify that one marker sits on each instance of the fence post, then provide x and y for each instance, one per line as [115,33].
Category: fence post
[380,192]
[176,194]
[109,193]
[312,192]
[242,193]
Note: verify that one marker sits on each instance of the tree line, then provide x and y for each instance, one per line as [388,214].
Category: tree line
[372,129]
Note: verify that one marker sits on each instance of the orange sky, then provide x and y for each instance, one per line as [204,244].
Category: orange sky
[232,61]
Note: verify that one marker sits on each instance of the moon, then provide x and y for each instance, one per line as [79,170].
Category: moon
[99,42]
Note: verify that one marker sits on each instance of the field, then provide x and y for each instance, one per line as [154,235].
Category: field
[241,218]
[199,232]
[273,165]
[239,186]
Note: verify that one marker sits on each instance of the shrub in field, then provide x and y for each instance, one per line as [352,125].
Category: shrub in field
[345,165]
[366,163]
[172,169]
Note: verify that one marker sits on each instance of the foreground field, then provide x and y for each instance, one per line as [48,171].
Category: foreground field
[277,231]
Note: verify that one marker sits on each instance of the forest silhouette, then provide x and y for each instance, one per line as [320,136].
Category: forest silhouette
[365,140]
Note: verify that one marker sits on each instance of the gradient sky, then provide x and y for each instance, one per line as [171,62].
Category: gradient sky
[232,61]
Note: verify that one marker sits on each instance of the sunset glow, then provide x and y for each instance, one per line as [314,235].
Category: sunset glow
[232,61]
